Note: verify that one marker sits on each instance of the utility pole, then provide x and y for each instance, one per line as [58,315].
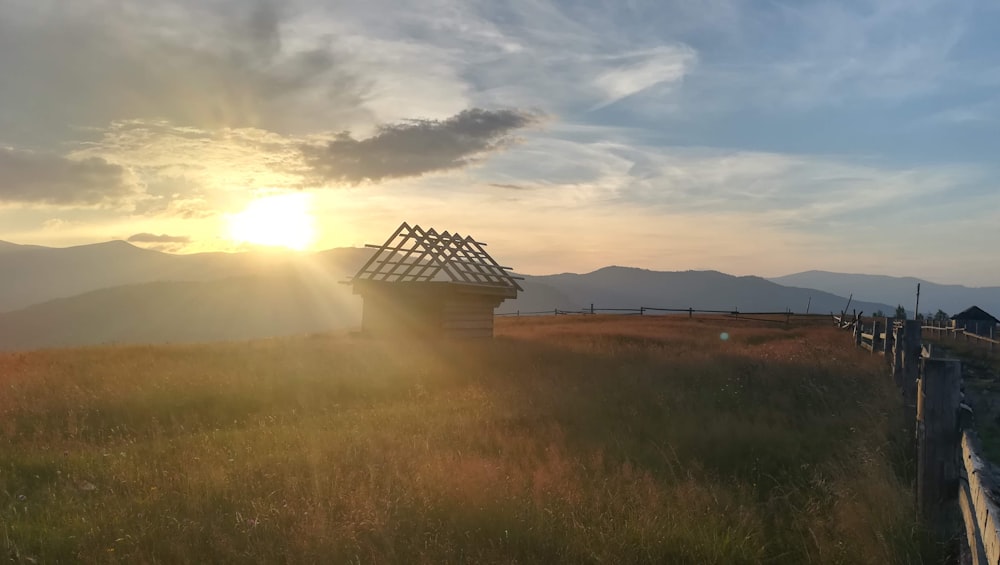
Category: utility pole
[916,313]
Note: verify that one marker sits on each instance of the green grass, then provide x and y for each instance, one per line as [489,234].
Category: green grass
[602,440]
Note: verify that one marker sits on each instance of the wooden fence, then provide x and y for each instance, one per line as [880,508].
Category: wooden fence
[953,479]
[785,316]
[960,334]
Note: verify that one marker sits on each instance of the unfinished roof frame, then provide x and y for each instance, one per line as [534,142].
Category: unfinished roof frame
[414,255]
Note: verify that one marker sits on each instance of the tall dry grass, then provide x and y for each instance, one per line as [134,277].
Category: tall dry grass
[603,439]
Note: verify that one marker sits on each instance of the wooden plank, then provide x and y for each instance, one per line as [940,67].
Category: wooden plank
[977,552]
[466,316]
[983,502]
[470,306]
[467,325]
[469,333]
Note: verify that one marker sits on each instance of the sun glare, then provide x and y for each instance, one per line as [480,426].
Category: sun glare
[281,221]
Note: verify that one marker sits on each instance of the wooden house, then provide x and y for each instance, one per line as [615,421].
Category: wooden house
[422,282]
[975,320]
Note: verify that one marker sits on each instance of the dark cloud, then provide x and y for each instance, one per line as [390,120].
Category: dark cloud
[208,65]
[416,147]
[44,178]
[263,29]
[162,238]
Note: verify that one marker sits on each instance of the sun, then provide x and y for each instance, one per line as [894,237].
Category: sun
[283,220]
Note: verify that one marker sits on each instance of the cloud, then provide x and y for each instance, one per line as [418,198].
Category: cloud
[507,186]
[799,193]
[162,238]
[634,72]
[209,65]
[45,178]
[416,147]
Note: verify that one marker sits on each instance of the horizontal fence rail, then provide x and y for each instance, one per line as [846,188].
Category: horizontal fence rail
[659,311]
[961,334]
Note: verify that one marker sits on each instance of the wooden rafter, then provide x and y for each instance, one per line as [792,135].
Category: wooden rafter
[415,254]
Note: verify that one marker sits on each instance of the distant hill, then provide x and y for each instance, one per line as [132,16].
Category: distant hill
[227,309]
[899,290]
[627,287]
[35,274]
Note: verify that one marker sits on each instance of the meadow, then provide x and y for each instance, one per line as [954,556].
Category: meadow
[599,439]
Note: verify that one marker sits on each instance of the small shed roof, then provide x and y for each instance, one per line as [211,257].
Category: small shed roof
[414,255]
[974,313]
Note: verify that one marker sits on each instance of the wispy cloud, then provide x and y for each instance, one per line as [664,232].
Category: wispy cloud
[632,73]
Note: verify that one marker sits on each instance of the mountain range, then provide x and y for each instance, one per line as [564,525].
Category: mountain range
[628,287]
[115,292]
[951,298]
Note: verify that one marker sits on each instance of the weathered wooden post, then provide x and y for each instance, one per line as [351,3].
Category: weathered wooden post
[897,356]
[690,312]
[857,332]
[938,438]
[887,340]
[591,308]
[911,365]
[875,336]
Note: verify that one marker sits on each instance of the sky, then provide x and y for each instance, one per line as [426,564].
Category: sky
[747,137]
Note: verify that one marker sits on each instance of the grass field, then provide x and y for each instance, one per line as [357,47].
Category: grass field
[571,439]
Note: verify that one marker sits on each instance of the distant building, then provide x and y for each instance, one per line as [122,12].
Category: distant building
[975,320]
[431,284]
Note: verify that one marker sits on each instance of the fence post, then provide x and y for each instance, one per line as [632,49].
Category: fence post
[911,365]
[887,341]
[591,307]
[897,356]
[690,312]
[518,313]
[642,310]
[857,332]
[938,439]
[875,336]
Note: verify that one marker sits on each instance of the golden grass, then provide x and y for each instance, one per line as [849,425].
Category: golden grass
[584,439]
